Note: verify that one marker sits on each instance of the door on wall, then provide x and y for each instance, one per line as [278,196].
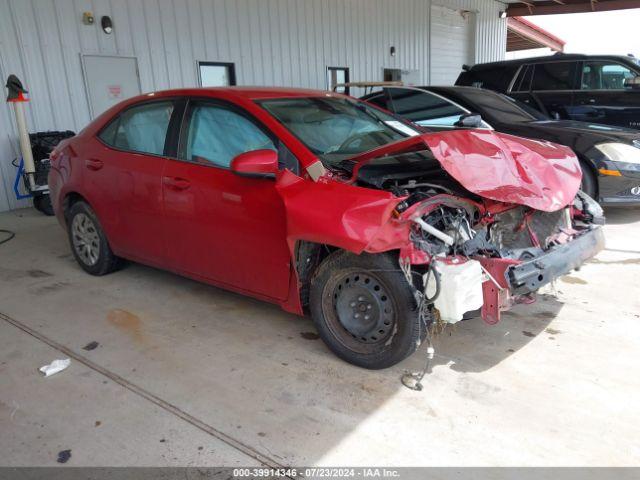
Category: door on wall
[109,80]
[452,43]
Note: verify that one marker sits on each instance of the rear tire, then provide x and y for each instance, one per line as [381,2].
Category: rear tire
[42,203]
[364,309]
[89,244]
[589,184]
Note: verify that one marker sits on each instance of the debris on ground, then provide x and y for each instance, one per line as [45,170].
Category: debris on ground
[55,367]
[64,456]
[309,335]
[91,346]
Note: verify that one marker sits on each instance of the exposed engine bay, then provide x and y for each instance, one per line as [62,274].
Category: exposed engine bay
[474,246]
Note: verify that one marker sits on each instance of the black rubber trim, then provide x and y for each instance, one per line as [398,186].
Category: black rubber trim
[530,276]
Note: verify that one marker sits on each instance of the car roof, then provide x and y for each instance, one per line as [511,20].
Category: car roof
[558,57]
[251,93]
[437,89]
[461,90]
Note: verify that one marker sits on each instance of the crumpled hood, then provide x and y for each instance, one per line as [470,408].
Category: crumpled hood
[539,174]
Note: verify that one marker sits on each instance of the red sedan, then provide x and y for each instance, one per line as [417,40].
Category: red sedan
[313,200]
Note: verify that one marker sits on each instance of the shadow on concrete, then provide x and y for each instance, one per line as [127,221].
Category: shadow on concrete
[620,215]
[473,346]
[243,366]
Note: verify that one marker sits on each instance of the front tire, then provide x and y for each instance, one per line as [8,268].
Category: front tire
[88,242]
[589,184]
[364,309]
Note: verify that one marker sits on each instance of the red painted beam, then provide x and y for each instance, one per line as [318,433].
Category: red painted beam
[522,34]
[551,7]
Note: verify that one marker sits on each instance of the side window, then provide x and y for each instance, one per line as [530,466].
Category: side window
[217,134]
[604,76]
[140,129]
[554,76]
[523,81]
[424,108]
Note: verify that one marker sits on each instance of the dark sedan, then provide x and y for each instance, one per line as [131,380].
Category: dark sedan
[609,156]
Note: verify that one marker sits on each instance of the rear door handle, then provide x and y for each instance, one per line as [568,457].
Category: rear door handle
[176,183]
[93,164]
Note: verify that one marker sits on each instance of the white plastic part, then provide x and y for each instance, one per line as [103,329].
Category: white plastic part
[434,231]
[25,143]
[566,215]
[460,289]
[55,367]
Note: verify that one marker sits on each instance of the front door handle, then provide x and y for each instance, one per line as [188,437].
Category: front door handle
[176,183]
[93,164]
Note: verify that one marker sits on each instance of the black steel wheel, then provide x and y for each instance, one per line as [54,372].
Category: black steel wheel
[364,309]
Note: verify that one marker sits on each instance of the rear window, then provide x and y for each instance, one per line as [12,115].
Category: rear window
[142,128]
[554,76]
[497,106]
[424,108]
[496,78]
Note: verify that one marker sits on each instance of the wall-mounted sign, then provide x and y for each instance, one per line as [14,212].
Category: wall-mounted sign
[114,91]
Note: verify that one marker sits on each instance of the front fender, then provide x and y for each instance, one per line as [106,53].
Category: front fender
[334,213]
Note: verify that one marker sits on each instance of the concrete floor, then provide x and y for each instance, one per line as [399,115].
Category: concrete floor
[187,374]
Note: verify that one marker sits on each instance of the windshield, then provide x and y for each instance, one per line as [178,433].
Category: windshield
[501,107]
[336,128]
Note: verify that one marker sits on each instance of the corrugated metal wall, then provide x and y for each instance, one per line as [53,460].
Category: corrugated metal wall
[272,42]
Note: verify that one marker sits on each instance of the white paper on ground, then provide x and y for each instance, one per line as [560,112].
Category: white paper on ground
[55,367]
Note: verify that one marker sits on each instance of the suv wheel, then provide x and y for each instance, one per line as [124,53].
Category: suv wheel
[364,309]
[88,241]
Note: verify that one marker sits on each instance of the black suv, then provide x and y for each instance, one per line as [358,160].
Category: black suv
[589,88]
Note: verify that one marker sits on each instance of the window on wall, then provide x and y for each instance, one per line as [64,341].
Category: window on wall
[336,76]
[392,75]
[216,74]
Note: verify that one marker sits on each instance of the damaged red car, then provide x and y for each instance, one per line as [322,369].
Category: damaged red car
[321,203]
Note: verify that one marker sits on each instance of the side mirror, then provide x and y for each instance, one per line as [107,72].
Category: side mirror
[469,120]
[632,82]
[257,164]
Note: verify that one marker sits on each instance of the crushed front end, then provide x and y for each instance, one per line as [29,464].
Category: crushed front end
[489,218]
[491,255]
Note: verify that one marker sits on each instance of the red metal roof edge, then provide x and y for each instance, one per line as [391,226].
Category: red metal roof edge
[537,28]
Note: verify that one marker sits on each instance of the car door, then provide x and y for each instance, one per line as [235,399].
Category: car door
[552,88]
[122,176]
[220,226]
[603,97]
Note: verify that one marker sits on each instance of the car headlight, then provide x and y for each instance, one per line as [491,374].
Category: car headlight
[620,152]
